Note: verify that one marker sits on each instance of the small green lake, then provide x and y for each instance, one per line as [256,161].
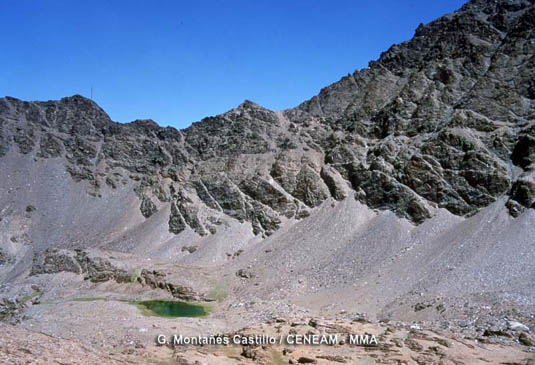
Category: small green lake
[171,309]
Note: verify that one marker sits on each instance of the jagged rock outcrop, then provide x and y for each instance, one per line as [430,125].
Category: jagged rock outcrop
[95,269]
[156,279]
[15,298]
[54,261]
[147,207]
[183,212]
[444,120]
[176,221]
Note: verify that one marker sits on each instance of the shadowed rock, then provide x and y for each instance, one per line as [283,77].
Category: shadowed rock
[438,121]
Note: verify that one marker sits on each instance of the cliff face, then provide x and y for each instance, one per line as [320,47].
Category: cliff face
[445,120]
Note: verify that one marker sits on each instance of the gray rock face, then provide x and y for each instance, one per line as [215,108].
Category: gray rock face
[189,212]
[98,269]
[53,261]
[176,221]
[522,194]
[378,190]
[334,182]
[524,151]
[445,120]
[9,308]
[49,146]
[147,208]
[15,298]
[264,192]
[95,269]
[156,279]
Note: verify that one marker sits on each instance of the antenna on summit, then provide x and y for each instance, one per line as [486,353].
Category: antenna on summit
[91,92]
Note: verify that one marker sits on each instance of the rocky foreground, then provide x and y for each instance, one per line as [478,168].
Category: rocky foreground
[75,308]
[395,345]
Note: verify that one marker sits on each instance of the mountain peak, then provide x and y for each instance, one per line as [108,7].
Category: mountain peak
[248,104]
[439,93]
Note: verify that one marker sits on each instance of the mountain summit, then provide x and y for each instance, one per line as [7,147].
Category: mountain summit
[444,120]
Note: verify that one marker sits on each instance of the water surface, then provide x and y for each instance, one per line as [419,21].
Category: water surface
[171,309]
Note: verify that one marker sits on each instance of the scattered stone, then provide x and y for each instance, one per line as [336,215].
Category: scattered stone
[333,358]
[496,332]
[190,249]
[413,345]
[517,326]
[249,352]
[245,274]
[306,360]
[526,340]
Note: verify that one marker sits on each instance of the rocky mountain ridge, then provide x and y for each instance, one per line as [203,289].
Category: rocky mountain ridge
[445,120]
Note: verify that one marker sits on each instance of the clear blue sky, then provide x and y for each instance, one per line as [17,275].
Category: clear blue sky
[179,61]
